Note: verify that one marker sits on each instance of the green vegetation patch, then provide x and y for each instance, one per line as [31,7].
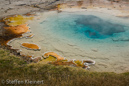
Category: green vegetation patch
[12,67]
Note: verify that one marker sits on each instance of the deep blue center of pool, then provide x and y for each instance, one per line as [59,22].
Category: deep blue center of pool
[94,27]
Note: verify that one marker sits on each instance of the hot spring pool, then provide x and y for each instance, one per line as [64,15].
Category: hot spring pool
[78,27]
[83,35]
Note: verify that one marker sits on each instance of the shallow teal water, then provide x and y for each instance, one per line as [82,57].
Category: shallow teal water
[85,27]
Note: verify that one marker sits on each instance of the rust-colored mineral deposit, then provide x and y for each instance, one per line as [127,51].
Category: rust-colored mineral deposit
[53,54]
[15,30]
[15,27]
[30,46]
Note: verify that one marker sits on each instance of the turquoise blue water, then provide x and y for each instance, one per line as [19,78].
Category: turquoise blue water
[84,27]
